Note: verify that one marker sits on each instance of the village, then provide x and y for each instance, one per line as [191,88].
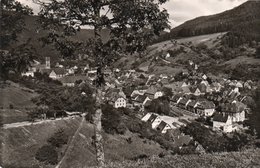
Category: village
[222,102]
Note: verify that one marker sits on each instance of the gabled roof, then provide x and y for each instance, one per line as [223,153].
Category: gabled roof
[148,103]
[184,101]
[113,94]
[151,90]
[140,98]
[236,107]
[175,98]
[59,71]
[206,105]
[161,126]
[192,103]
[186,90]
[152,118]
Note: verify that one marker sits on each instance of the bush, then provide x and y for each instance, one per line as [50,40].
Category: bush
[121,128]
[58,139]
[47,154]
[11,106]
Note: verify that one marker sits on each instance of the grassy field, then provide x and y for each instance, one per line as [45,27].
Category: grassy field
[12,115]
[16,95]
[21,144]
[250,158]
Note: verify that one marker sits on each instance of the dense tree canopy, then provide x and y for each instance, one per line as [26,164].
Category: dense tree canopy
[12,23]
[132,25]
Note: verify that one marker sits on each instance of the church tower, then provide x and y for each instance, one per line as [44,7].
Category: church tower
[48,62]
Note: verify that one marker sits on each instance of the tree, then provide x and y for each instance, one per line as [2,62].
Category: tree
[132,25]
[257,52]
[17,58]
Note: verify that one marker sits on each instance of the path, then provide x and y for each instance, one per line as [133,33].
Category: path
[70,145]
[28,123]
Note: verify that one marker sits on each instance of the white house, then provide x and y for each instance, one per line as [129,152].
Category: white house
[205,108]
[158,94]
[120,102]
[28,73]
[222,122]
[146,117]
[57,73]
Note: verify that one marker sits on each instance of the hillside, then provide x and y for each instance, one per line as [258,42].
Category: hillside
[249,158]
[16,95]
[34,32]
[20,144]
[204,50]
[244,18]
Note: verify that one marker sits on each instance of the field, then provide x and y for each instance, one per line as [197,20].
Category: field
[20,145]
[246,159]
[16,95]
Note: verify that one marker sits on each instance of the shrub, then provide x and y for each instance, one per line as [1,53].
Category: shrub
[11,106]
[47,154]
[121,128]
[33,115]
[58,139]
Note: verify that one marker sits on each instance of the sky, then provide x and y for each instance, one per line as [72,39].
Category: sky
[183,10]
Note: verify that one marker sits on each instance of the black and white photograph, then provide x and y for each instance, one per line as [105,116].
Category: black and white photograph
[129,83]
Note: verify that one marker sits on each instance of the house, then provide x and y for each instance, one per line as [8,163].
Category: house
[236,110]
[184,84]
[57,73]
[135,93]
[204,76]
[71,80]
[158,94]
[205,108]
[186,90]
[92,74]
[222,122]
[153,93]
[215,86]
[152,118]
[183,103]
[28,73]
[176,99]
[119,102]
[107,72]
[146,117]
[116,97]
[141,100]
[163,127]
[204,82]
[156,122]
[195,91]
[192,105]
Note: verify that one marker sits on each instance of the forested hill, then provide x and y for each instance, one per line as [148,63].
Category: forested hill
[34,32]
[242,19]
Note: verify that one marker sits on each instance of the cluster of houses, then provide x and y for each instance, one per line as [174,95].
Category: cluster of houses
[163,123]
[198,93]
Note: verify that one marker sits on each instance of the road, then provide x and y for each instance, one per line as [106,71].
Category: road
[28,123]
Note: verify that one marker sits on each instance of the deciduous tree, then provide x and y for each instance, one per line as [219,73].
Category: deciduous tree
[132,25]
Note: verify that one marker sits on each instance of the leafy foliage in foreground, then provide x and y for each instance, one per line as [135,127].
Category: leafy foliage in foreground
[250,158]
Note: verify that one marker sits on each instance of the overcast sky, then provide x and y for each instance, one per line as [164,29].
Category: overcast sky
[183,10]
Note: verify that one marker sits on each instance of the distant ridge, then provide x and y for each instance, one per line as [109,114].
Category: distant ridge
[245,17]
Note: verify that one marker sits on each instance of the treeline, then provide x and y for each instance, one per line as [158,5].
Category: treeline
[242,21]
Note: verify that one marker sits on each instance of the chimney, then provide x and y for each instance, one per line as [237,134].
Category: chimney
[47,63]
